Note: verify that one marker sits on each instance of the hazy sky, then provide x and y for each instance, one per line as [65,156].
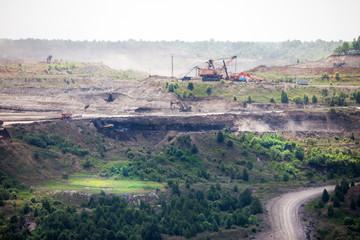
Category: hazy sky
[188,20]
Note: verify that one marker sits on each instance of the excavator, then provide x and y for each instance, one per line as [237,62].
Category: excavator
[182,106]
[240,77]
[212,73]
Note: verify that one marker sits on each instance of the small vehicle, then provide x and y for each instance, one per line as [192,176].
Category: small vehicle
[64,116]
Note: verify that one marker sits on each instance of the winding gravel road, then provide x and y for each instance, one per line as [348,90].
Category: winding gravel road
[284,213]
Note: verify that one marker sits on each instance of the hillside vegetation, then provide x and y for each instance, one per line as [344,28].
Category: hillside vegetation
[206,182]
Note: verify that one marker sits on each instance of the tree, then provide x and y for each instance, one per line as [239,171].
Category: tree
[325,196]
[208,90]
[330,211]
[353,204]
[314,99]
[194,149]
[309,174]
[300,153]
[325,75]
[228,222]
[220,137]
[245,175]
[190,86]
[337,76]
[234,98]
[230,143]
[125,172]
[285,177]
[272,100]
[305,99]
[284,97]
[336,202]
[255,206]
[215,226]
[249,100]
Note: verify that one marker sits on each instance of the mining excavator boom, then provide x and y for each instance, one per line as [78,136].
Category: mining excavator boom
[211,73]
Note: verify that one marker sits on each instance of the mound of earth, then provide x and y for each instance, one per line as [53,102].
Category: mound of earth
[347,64]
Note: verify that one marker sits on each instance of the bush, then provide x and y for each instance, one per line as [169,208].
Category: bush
[230,143]
[220,137]
[330,211]
[314,99]
[208,90]
[325,75]
[285,177]
[194,149]
[298,100]
[65,175]
[190,86]
[348,221]
[337,76]
[272,100]
[234,98]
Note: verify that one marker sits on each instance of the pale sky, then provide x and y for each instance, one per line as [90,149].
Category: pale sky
[188,20]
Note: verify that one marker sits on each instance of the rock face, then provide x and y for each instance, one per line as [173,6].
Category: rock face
[126,128]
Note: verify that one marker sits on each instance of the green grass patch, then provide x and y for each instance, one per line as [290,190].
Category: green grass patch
[95,185]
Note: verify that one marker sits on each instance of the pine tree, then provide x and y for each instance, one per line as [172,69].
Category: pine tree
[353,204]
[314,99]
[325,196]
[220,137]
[245,176]
[330,211]
[284,97]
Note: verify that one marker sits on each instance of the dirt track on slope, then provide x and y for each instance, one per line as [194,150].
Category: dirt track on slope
[284,214]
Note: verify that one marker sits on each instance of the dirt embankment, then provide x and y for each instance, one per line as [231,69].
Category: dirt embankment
[331,65]
[298,123]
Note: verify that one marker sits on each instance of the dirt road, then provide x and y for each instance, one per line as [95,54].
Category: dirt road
[284,213]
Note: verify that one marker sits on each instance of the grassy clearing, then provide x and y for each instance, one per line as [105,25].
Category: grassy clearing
[95,185]
[262,93]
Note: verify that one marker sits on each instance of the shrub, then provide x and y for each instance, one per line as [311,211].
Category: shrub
[220,137]
[190,86]
[314,99]
[298,100]
[65,175]
[337,76]
[230,143]
[272,100]
[285,177]
[234,98]
[330,211]
[348,221]
[325,75]
[208,90]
